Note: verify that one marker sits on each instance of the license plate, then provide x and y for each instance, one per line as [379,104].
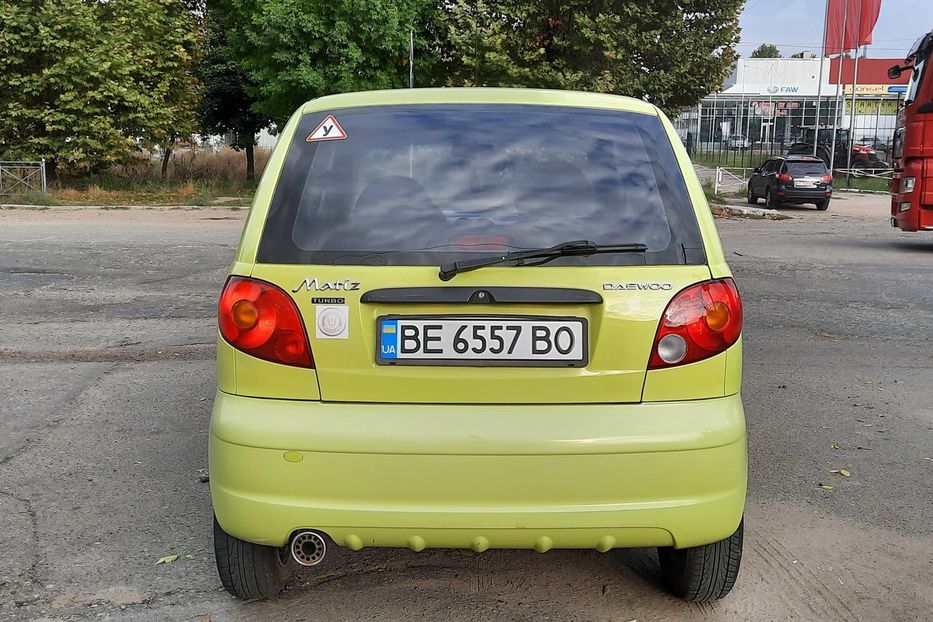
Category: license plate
[480,341]
[805,183]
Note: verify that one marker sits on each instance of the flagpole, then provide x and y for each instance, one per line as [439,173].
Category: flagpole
[852,106]
[819,86]
[858,34]
[842,42]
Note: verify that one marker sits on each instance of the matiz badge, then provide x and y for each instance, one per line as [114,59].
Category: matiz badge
[346,285]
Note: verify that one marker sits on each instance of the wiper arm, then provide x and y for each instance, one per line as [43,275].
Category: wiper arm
[566,249]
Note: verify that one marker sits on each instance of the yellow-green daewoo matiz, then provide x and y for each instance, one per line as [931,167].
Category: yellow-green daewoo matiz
[479,318]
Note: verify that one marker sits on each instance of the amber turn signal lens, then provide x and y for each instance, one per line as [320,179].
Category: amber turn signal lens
[245,315]
[717,316]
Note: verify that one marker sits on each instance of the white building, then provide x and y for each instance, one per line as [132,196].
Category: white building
[770,101]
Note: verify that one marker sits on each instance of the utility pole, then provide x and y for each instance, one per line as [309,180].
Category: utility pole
[411,59]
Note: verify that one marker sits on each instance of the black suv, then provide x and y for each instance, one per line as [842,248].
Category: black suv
[791,179]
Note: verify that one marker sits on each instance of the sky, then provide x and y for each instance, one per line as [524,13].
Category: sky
[797,25]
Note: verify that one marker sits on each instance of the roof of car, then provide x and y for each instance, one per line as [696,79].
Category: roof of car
[540,97]
[799,158]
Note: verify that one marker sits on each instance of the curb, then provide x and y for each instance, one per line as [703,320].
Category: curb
[757,213]
[859,191]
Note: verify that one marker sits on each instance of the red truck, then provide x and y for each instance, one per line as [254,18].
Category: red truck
[912,153]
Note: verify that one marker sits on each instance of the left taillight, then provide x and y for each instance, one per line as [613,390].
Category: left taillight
[261,320]
[785,177]
[699,322]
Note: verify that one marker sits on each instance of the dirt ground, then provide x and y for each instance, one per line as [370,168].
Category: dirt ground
[106,381]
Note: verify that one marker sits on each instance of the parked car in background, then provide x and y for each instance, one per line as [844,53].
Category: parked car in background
[434,336]
[738,142]
[793,179]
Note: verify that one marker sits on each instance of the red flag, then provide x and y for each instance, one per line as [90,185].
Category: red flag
[849,24]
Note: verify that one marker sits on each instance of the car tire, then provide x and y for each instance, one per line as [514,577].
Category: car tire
[702,573]
[770,201]
[247,570]
[750,196]
[822,205]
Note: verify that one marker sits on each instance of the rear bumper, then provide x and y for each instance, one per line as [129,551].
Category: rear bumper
[452,476]
[907,211]
[804,195]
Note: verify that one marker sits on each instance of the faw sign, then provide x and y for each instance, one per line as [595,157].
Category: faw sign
[775,89]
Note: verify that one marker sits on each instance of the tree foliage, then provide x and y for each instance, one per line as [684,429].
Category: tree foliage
[766,50]
[83,80]
[669,53]
[296,51]
[227,105]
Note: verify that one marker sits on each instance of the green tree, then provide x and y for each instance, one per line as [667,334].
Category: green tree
[295,51]
[82,81]
[227,105]
[669,53]
[766,50]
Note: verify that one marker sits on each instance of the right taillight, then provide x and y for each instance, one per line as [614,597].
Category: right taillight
[826,179]
[262,320]
[699,322]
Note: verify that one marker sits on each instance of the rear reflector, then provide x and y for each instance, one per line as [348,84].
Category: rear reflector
[261,320]
[699,322]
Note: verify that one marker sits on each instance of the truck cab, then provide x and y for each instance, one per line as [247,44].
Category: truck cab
[912,154]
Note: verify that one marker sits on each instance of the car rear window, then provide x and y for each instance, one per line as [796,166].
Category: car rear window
[800,169]
[426,184]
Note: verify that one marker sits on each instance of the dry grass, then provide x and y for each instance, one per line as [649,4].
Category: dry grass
[195,165]
[186,193]
[195,177]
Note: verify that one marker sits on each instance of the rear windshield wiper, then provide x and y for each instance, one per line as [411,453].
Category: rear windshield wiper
[543,255]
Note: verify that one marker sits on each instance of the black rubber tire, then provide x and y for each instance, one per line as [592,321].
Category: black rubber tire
[750,196]
[822,205]
[770,201]
[702,573]
[248,570]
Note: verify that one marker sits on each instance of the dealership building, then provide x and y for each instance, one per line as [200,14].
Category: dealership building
[767,102]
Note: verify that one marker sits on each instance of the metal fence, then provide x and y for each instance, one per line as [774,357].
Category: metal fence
[735,178]
[22,178]
[737,132]
[732,179]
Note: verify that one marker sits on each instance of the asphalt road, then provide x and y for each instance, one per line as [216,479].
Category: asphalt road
[106,380]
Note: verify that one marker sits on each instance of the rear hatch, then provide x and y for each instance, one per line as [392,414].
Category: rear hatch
[372,201]
[808,174]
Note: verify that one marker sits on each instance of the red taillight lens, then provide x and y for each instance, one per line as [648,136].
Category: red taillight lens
[263,321]
[827,179]
[699,322]
[785,177]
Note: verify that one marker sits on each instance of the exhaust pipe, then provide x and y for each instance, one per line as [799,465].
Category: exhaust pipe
[308,548]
